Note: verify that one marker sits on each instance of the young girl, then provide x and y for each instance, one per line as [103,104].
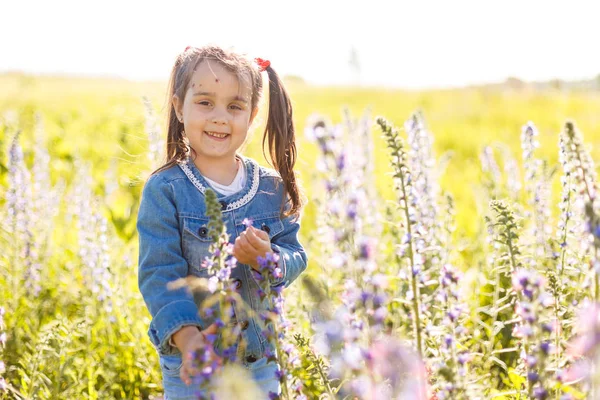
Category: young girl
[215,96]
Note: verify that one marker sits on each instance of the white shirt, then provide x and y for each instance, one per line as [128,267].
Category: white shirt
[235,186]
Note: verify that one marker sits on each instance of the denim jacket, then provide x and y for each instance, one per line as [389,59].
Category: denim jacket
[173,238]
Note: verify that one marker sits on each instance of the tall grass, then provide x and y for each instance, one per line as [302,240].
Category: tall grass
[442,265]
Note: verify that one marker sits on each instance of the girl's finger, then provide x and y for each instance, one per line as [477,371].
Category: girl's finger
[254,240]
[185,375]
[237,247]
[246,246]
[211,330]
[263,235]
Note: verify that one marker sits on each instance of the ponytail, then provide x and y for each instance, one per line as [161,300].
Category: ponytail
[282,141]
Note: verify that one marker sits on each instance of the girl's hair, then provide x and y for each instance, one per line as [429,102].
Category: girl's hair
[279,130]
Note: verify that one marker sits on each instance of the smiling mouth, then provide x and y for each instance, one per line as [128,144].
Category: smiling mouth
[217,134]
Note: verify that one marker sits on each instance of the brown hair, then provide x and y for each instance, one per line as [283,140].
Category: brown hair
[279,130]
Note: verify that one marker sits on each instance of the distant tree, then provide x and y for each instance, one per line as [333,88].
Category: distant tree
[514,83]
[557,84]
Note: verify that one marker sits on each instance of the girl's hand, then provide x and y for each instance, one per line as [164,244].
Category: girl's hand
[251,244]
[196,341]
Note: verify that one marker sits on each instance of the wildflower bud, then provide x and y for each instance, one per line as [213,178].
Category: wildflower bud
[367,249]
[464,358]
[448,340]
[540,393]
[548,328]
[533,377]
[453,314]
[531,361]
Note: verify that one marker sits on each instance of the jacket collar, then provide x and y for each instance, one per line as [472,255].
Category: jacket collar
[232,201]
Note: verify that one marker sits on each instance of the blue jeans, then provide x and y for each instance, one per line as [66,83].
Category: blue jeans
[262,372]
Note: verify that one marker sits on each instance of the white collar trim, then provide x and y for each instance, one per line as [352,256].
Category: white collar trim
[231,206]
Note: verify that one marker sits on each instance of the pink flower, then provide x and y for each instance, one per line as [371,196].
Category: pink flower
[588,340]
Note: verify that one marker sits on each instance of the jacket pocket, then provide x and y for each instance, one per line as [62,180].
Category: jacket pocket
[171,364]
[271,224]
[195,243]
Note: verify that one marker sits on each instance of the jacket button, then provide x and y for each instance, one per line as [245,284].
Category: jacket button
[251,359]
[237,283]
[265,228]
[244,325]
[203,231]
[223,205]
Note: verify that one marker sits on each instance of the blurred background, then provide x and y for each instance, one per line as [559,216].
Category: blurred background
[393,44]
[478,70]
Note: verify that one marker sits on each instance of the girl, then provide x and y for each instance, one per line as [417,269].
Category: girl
[215,96]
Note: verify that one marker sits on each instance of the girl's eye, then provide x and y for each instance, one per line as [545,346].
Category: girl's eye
[235,107]
[204,103]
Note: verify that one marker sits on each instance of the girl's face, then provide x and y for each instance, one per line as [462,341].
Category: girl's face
[216,111]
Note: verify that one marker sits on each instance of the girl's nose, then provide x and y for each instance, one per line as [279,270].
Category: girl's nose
[220,117]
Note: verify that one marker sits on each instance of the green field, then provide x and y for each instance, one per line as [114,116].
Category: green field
[103,121]
[60,343]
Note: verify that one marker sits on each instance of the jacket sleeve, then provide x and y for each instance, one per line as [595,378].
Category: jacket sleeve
[161,261]
[292,256]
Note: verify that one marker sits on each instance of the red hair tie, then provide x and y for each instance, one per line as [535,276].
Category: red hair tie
[262,64]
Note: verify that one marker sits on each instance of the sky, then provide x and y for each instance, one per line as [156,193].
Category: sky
[408,44]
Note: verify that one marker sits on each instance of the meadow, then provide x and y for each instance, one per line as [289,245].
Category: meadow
[456,252]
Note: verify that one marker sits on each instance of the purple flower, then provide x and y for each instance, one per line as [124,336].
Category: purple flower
[351,212]
[278,290]
[464,358]
[454,313]
[548,327]
[277,273]
[545,347]
[230,352]
[525,331]
[520,279]
[279,374]
[532,377]
[540,393]
[367,248]
[415,270]
[531,361]
[341,161]
[597,231]
[448,340]
[272,257]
